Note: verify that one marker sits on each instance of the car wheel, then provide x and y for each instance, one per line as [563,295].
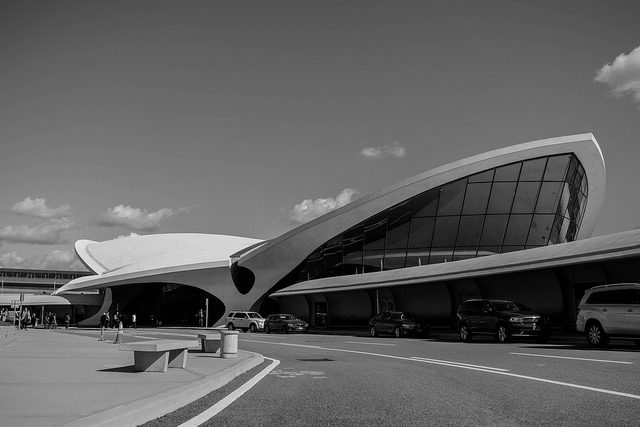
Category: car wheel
[285,329]
[397,332]
[596,335]
[230,326]
[465,334]
[253,328]
[373,332]
[266,329]
[502,334]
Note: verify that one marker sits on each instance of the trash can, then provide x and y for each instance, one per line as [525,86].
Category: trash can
[228,344]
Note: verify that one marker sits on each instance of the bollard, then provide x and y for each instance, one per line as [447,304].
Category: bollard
[120,335]
[228,344]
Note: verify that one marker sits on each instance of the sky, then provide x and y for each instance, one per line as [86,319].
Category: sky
[248,118]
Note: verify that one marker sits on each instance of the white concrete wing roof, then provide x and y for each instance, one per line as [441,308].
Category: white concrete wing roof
[139,256]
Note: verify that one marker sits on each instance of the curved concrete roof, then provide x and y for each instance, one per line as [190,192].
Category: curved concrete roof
[277,257]
[138,256]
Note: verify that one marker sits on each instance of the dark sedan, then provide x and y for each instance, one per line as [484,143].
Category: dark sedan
[397,323]
[285,323]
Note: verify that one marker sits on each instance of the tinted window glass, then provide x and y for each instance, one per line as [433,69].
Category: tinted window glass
[421,232]
[445,231]
[526,196]
[451,198]
[476,198]
[508,173]
[375,233]
[398,229]
[502,194]
[417,257]
[426,204]
[540,230]
[556,168]
[469,232]
[486,176]
[394,259]
[441,255]
[494,229]
[532,170]
[517,230]
[372,261]
[549,197]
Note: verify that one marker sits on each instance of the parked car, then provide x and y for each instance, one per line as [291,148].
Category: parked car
[502,319]
[610,311]
[245,320]
[285,323]
[398,324]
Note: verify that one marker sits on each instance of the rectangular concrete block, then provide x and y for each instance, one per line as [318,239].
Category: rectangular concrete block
[150,361]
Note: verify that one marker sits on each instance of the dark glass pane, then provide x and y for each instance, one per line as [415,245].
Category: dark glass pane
[445,231]
[549,197]
[352,263]
[375,231]
[394,259]
[502,194]
[451,197]
[464,253]
[532,170]
[506,249]
[333,261]
[573,166]
[556,168]
[476,198]
[315,264]
[372,261]
[399,224]
[353,239]
[526,196]
[508,173]
[421,232]
[470,229]
[417,257]
[425,204]
[441,255]
[493,230]
[517,230]
[577,179]
[486,176]
[540,230]
[554,236]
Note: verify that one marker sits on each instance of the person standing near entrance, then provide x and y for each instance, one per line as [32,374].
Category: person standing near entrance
[133,320]
[200,319]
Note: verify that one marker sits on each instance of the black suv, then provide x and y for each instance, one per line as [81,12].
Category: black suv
[502,319]
[398,324]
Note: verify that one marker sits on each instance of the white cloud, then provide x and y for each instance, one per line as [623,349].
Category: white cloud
[38,208]
[126,236]
[137,219]
[45,233]
[392,149]
[309,209]
[623,74]
[54,260]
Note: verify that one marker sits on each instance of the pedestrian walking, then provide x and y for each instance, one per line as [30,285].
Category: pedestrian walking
[133,321]
[67,320]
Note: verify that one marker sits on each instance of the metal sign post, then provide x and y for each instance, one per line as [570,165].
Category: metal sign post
[206,312]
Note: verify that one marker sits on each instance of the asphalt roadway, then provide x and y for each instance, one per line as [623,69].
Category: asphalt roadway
[52,378]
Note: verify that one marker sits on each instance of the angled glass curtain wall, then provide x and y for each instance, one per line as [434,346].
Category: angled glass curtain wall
[522,205]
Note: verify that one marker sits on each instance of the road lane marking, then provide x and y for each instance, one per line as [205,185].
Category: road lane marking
[205,416]
[472,368]
[448,362]
[573,358]
[369,343]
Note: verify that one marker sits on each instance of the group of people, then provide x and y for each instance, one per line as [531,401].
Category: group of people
[108,321]
[28,318]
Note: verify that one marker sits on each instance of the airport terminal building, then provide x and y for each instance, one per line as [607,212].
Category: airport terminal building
[513,223]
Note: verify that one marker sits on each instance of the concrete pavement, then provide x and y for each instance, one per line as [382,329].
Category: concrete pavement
[49,378]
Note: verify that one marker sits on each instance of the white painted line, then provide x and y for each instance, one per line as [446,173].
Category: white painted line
[573,358]
[472,368]
[205,416]
[447,362]
[369,343]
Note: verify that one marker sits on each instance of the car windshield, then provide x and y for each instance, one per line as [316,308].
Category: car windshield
[255,315]
[287,317]
[505,306]
[401,316]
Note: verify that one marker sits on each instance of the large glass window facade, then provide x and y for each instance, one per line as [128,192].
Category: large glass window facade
[522,205]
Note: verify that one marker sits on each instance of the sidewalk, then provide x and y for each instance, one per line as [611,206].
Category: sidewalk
[48,378]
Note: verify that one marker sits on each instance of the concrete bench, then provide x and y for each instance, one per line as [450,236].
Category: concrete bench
[157,355]
[210,342]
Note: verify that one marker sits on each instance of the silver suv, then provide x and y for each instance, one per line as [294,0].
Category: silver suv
[610,311]
[245,320]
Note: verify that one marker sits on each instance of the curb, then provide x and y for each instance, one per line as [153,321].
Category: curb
[149,408]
